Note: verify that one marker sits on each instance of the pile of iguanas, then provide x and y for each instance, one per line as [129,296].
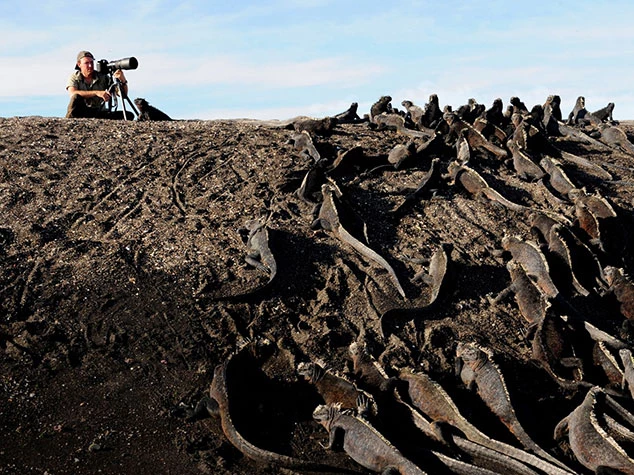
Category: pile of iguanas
[574,251]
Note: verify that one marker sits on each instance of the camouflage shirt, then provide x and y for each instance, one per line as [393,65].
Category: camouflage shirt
[101,82]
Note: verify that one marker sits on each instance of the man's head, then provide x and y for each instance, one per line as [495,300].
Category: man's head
[85,63]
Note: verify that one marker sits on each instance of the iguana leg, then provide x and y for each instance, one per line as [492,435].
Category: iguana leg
[252,260]
[205,407]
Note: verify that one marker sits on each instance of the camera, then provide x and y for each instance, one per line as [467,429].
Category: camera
[105,66]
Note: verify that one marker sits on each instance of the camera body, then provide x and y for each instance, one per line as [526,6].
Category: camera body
[108,67]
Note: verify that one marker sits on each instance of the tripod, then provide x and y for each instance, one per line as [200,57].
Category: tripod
[115,90]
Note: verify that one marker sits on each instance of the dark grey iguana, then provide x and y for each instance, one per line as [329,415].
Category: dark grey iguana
[479,371]
[310,188]
[328,219]
[582,263]
[593,214]
[256,236]
[425,184]
[473,182]
[402,153]
[323,127]
[593,447]
[364,444]
[435,276]
[219,404]
[415,113]
[489,130]
[530,257]
[523,164]
[367,370]
[303,142]
[259,253]
[628,370]
[349,116]
[477,141]
[616,138]
[557,178]
[530,299]
[430,398]
[623,289]
[432,114]
[335,389]
[383,105]
[553,348]
[605,113]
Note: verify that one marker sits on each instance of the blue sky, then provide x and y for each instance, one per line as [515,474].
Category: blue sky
[280,59]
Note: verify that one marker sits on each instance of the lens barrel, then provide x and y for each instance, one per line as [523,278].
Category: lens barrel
[124,63]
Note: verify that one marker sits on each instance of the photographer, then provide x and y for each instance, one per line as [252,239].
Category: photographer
[89,90]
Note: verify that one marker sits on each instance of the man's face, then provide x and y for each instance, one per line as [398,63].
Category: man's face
[86,66]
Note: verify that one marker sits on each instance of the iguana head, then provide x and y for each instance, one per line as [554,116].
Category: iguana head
[310,371]
[325,414]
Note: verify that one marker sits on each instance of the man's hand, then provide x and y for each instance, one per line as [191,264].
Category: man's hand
[105,95]
[118,74]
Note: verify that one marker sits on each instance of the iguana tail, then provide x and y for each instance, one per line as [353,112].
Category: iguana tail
[370,254]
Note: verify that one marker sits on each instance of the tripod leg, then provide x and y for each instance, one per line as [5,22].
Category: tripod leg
[125,114]
[136,112]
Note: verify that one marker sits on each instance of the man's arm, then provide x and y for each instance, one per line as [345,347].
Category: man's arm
[118,74]
[105,95]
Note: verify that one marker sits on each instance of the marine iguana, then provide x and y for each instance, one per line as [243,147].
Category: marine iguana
[364,444]
[593,447]
[605,113]
[530,257]
[473,182]
[524,166]
[553,102]
[303,142]
[623,289]
[335,389]
[435,276]
[489,130]
[431,399]
[383,105]
[518,106]
[149,112]
[615,137]
[329,219]
[374,377]
[349,116]
[221,403]
[310,188]
[557,178]
[463,150]
[476,140]
[255,234]
[470,111]
[578,260]
[432,114]
[402,153]
[495,113]
[628,370]
[578,112]
[530,299]
[414,112]
[423,187]
[552,116]
[592,212]
[479,371]
[323,127]
[259,253]
[554,350]
[389,121]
